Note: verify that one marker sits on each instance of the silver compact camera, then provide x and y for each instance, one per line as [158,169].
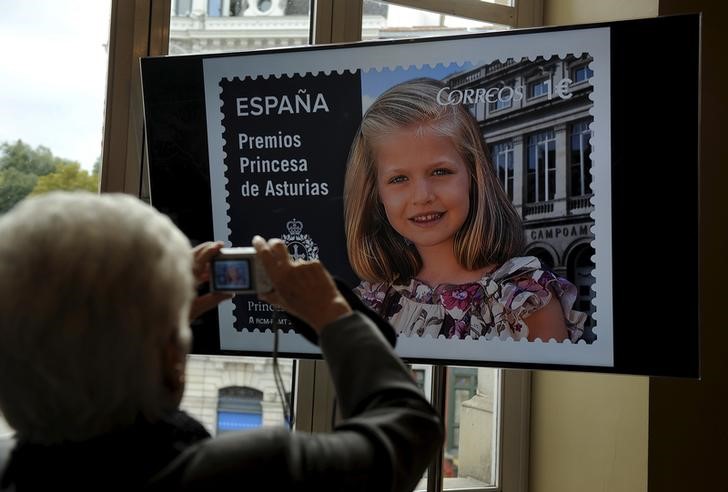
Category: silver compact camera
[238,270]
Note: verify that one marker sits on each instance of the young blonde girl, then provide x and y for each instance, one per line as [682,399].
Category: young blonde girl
[432,234]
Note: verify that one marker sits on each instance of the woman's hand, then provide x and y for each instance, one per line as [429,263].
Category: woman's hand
[202,254]
[303,288]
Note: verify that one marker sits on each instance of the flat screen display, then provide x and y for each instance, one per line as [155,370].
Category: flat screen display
[514,199]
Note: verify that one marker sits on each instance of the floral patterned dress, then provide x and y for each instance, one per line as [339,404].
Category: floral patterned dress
[496,306]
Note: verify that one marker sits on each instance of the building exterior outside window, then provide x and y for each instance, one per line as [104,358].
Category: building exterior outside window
[183,7]
[225,393]
[239,408]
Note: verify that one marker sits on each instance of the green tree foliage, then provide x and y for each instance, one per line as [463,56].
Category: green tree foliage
[97,166]
[14,186]
[24,158]
[66,177]
[25,170]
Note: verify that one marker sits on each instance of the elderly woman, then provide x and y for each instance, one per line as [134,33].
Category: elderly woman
[95,298]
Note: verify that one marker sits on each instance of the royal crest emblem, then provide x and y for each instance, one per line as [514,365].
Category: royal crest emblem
[300,246]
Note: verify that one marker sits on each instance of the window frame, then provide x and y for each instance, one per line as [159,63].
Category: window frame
[581,129]
[537,141]
[532,85]
[578,68]
[504,149]
[141,28]
[228,403]
[500,104]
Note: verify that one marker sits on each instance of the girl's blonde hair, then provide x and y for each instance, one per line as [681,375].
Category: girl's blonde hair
[492,232]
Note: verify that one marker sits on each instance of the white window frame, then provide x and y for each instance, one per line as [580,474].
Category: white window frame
[141,28]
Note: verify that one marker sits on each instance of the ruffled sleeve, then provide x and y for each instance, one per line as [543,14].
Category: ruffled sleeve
[526,288]
[372,294]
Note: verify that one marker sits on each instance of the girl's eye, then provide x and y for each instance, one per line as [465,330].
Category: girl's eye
[396,179]
[441,172]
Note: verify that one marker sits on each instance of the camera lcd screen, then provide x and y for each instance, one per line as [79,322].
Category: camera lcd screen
[232,275]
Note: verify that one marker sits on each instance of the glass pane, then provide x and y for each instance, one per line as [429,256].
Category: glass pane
[471,424]
[422,374]
[382,20]
[215,26]
[199,26]
[52,100]
[256,400]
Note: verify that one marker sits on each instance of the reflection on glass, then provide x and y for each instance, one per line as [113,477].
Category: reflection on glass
[382,20]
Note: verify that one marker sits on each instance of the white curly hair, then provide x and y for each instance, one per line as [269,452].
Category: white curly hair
[93,290]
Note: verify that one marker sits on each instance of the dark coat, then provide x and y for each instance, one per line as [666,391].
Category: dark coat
[388,436]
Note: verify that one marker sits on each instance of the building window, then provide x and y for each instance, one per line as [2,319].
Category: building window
[183,8]
[580,162]
[237,7]
[214,8]
[239,408]
[538,88]
[279,24]
[541,178]
[264,6]
[504,100]
[581,73]
[502,154]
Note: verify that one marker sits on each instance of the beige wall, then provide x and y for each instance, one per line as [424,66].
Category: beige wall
[590,432]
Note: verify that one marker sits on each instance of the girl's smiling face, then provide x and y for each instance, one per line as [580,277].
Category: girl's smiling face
[423,184]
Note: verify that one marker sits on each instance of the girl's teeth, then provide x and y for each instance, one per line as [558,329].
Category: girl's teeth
[427,218]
